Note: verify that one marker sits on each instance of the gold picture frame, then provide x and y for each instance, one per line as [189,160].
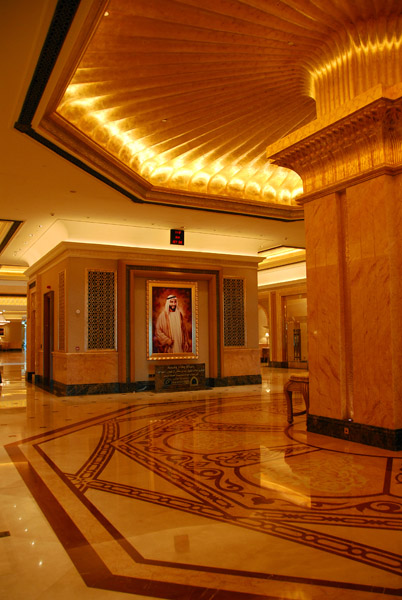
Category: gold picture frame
[172,320]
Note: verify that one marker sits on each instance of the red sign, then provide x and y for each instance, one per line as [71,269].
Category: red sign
[177,237]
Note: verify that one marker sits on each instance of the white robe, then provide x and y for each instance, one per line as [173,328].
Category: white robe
[175,328]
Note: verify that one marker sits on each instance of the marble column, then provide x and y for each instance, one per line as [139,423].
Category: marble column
[350,161]
[354,284]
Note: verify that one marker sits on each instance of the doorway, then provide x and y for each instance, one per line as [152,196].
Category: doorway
[295,330]
[48,337]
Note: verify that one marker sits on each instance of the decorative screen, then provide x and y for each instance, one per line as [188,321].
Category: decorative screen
[233,312]
[101,310]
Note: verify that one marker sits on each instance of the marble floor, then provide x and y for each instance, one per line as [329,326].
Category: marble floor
[194,496]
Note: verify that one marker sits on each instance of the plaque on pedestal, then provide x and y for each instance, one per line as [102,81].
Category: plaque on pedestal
[179,378]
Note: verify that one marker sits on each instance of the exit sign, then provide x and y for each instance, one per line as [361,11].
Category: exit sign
[177,237]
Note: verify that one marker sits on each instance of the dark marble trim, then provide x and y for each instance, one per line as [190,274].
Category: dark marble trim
[11,350]
[143,386]
[79,389]
[278,364]
[29,376]
[233,380]
[83,389]
[380,437]
[40,381]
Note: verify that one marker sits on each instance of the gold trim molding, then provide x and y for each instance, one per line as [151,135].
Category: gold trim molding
[357,58]
[365,142]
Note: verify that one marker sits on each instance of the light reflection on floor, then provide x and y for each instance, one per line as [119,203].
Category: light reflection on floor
[198,496]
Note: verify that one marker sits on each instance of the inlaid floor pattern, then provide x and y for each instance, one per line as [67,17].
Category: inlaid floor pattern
[197,496]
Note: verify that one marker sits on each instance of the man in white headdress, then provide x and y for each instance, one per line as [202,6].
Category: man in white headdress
[171,335]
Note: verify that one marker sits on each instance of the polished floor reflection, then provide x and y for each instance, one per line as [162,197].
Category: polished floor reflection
[196,496]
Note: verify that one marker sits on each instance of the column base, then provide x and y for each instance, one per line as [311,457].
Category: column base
[380,437]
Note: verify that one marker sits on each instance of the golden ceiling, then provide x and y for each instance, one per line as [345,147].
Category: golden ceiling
[183,97]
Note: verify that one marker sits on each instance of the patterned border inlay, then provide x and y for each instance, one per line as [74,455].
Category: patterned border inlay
[255,478]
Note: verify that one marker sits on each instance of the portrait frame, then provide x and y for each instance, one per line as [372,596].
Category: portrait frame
[159,344]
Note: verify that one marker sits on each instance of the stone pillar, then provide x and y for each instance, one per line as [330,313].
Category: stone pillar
[350,161]
[354,285]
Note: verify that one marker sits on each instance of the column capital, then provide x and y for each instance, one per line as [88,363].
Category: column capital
[358,146]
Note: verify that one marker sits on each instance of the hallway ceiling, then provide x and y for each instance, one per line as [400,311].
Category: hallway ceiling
[159,106]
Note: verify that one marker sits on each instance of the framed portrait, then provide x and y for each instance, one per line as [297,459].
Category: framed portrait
[172,320]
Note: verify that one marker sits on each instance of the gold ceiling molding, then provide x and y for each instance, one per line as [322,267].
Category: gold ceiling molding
[13,300]
[357,58]
[363,144]
[12,272]
[176,102]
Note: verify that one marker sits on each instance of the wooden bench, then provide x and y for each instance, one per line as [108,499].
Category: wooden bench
[298,382]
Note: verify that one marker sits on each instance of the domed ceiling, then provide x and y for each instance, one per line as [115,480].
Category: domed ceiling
[178,100]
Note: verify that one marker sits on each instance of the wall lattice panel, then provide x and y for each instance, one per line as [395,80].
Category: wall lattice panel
[233,312]
[62,311]
[101,310]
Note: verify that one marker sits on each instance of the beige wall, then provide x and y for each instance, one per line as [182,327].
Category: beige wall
[77,365]
[245,360]
[12,338]
[76,282]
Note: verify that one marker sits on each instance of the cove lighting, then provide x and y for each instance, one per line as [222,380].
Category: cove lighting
[281,251]
[281,255]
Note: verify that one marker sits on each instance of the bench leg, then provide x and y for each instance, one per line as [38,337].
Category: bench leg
[306,399]
[290,387]
[289,404]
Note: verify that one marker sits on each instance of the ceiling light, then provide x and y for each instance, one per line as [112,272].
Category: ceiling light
[281,251]
[281,256]
[6,270]
[3,321]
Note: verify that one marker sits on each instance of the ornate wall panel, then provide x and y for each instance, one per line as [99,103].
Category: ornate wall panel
[233,312]
[101,310]
[62,311]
